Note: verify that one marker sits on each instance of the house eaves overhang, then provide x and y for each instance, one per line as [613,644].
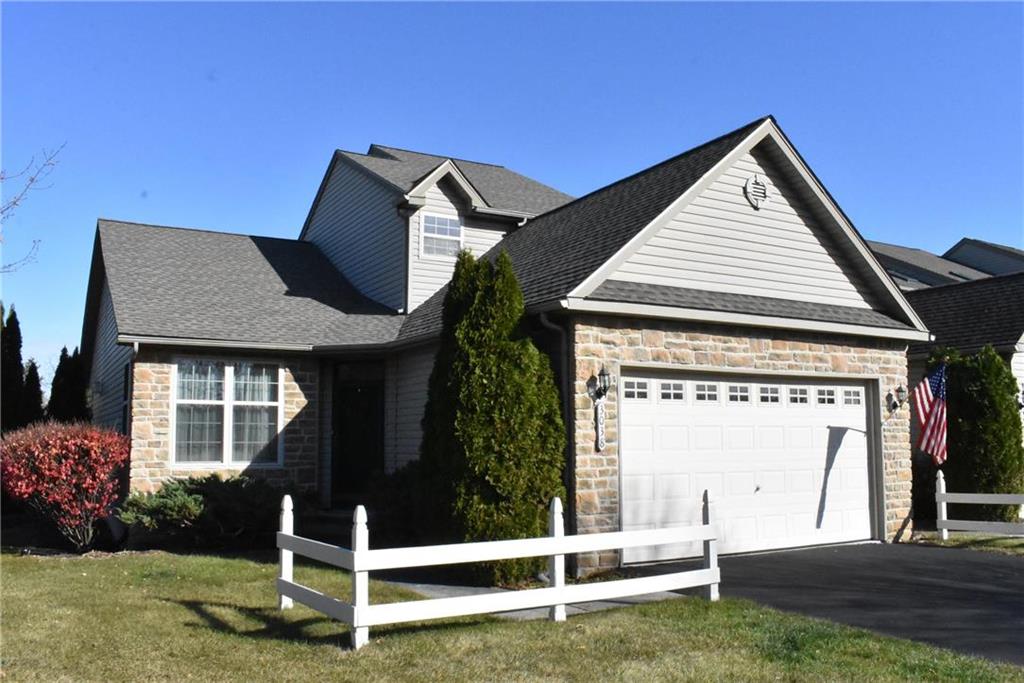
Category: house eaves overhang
[579,305]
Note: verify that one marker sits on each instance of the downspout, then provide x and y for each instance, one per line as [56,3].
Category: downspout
[568,479]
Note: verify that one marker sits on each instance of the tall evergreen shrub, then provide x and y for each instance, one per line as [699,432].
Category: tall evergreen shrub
[31,395]
[493,424]
[984,438]
[12,371]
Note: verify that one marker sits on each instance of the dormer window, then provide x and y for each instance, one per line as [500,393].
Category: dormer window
[441,236]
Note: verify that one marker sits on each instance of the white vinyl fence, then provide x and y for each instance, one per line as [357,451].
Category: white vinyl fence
[945,525]
[359,614]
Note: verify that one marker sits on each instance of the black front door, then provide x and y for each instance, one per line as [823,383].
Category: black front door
[358,429]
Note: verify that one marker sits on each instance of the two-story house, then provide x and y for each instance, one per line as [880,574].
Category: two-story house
[754,341]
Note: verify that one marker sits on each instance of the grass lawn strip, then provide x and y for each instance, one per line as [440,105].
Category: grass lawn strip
[1003,545]
[157,616]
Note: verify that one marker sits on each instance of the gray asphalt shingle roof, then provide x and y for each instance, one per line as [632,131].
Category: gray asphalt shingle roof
[662,295]
[500,187]
[555,252]
[917,268]
[196,284]
[971,314]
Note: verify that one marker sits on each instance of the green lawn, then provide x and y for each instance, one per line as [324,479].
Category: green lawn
[1004,545]
[156,616]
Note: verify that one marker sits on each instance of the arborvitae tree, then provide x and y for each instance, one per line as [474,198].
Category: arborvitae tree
[56,407]
[12,372]
[32,395]
[78,388]
[441,454]
[984,432]
[68,389]
[508,424]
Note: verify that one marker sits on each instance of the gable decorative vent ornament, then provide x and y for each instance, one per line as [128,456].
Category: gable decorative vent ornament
[756,191]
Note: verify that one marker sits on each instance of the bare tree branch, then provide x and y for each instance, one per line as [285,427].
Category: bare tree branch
[31,178]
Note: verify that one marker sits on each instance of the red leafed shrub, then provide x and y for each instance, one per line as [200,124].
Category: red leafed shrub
[68,472]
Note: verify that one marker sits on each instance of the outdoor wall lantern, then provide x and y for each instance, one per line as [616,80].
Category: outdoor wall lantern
[897,397]
[598,388]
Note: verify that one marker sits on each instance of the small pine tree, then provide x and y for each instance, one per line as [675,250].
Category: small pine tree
[507,422]
[32,396]
[78,389]
[12,372]
[984,433]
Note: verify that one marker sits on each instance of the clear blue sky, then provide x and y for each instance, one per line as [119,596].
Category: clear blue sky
[224,116]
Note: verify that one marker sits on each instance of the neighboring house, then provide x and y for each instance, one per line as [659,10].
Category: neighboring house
[969,259]
[971,315]
[753,337]
[914,269]
[995,259]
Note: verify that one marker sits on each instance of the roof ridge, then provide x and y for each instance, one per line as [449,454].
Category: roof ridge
[995,245]
[206,230]
[428,154]
[659,164]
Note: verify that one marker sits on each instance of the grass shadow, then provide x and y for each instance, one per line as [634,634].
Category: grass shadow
[274,624]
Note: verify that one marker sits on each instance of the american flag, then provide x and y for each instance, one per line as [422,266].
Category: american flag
[930,404]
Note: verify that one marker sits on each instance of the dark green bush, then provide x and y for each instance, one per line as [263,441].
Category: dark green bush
[207,513]
[494,436]
[984,437]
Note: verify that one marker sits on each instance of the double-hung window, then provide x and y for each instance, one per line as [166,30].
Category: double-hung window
[442,236]
[227,414]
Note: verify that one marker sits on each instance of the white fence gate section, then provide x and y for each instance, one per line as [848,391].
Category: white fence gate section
[359,614]
[945,525]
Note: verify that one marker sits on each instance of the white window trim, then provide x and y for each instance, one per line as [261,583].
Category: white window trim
[229,402]
[422,233]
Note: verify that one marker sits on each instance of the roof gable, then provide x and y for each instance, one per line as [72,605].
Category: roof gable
[721,242]
[915,268]
[996,259]
[852,253]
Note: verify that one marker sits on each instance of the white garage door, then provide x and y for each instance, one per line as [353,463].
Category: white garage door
[786,460]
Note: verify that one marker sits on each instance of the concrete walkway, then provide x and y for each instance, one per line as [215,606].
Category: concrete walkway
[433,590]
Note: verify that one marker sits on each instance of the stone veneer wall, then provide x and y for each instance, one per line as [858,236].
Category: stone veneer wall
[613,341]
[151,461]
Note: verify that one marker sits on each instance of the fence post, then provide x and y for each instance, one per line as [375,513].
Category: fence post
[287,527]
[710,549]
[940,513]
[556,563]
[360,580]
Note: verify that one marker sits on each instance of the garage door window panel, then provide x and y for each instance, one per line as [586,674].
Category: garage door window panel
[739,393]
[852,397]
[798,396]
[705,392]
[635,389]
[826,397]
[769,396]
[672,391]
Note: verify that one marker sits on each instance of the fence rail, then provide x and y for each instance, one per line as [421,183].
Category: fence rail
[359,614]
[945,525]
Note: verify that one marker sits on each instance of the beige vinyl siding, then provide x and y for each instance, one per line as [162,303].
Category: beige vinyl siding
[406,380]
[427,274]
[356,224]
[721,243]
[106,376]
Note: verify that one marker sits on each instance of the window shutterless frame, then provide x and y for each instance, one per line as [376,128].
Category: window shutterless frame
[228,403]
[423,234]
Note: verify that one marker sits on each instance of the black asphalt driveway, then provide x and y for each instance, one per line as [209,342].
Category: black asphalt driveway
[964,600]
